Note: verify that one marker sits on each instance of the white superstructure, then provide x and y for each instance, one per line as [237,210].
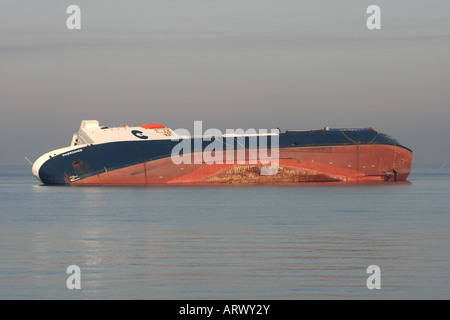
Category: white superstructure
[92,133]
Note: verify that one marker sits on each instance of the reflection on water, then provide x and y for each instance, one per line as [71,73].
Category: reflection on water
[306,242]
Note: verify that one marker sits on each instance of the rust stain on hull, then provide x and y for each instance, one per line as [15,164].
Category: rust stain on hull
[343,164]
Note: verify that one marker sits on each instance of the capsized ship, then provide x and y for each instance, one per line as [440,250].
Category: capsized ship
[101,155]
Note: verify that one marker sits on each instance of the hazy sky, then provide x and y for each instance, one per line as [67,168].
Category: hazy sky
[233,64]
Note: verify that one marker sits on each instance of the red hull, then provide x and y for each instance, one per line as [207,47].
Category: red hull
[352,163]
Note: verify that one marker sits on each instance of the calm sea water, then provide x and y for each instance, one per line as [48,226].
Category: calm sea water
[300,242]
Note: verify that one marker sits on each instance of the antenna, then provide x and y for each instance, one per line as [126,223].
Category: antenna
[29,161]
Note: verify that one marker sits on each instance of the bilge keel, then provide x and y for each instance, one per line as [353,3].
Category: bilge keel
[101,155]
